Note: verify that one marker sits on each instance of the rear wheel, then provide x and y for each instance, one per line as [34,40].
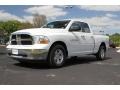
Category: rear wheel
[57,56]
[101,53]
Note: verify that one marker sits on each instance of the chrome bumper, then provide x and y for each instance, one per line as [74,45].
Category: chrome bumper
[29,54]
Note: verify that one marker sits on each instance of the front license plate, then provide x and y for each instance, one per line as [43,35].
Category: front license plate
[15,51]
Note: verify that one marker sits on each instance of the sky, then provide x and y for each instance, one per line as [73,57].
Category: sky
[100,17]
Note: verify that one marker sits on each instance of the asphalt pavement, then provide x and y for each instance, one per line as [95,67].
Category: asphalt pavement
[82,71]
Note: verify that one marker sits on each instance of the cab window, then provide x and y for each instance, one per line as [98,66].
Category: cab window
[85,28]
[76,26]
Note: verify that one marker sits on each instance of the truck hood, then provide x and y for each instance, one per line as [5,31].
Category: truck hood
[39,31]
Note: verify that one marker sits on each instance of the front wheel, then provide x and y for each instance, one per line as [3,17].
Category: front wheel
[101,53]
[57,56]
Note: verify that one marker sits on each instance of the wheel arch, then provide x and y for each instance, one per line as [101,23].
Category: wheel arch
[103,44]
[59,43]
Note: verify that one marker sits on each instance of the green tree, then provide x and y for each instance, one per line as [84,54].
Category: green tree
[7,27]
[2,31]
[115,38]
[25,25]
[11,26]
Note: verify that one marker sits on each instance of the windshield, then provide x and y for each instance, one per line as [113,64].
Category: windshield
[57,24]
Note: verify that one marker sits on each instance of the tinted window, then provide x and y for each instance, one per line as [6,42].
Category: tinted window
[85,28]
[76,26]
[57,24]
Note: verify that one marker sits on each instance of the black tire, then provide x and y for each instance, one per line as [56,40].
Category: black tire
[55,61]
[101,55]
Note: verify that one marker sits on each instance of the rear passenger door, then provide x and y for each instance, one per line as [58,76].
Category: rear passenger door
[78,40]
[88,38]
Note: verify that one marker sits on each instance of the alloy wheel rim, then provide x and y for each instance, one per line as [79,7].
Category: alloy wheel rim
[102,53]
[58,57]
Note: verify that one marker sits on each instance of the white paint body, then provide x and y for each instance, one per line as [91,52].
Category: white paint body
[76,45]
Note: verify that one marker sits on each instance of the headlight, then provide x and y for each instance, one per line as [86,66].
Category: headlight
[41,40]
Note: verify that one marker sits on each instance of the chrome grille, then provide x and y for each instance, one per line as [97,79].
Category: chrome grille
[21,39]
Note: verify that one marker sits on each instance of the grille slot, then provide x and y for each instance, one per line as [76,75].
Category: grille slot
[21,39]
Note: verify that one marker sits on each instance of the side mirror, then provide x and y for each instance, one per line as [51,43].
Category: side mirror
[75,28]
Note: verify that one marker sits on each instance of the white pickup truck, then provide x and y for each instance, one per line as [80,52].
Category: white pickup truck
[57,41]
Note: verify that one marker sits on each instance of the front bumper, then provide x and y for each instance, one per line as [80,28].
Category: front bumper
[29,54]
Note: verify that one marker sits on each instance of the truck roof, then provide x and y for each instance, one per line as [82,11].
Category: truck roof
[75,19]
